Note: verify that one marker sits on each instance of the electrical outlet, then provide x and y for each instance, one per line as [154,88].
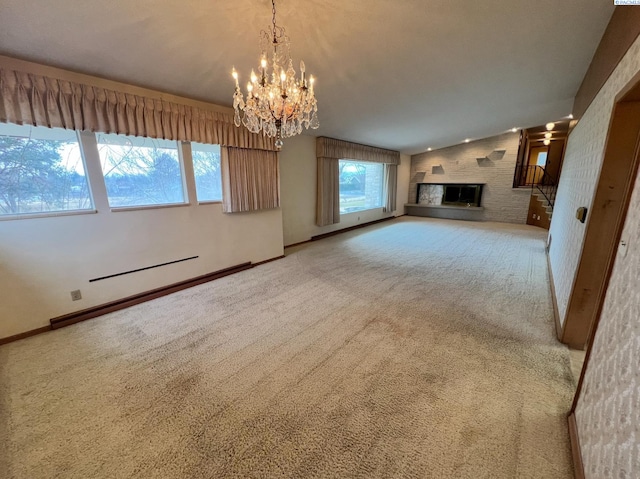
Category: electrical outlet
[76,295]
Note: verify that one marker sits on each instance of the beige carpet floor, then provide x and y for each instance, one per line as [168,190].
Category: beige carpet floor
[414,348]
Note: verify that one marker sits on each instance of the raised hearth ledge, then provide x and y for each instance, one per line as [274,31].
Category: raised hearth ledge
[446,207]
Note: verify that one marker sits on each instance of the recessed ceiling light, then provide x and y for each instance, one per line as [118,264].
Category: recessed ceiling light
[514,129]
[467,140]
[429,149]
[570,116]
[550,126]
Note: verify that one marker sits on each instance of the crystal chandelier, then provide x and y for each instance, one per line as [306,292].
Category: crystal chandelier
[278,103]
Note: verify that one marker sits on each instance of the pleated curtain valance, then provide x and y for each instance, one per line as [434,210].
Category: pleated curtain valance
[345,150]
[41,100]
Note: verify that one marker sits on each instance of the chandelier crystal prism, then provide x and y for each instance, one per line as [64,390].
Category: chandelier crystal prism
[278,101]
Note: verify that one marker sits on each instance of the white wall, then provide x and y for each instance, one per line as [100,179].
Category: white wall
[298,193]
[607,412]
[460,164]
[43,259]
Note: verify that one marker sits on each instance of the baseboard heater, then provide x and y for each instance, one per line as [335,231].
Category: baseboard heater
[142,269]
[99,310]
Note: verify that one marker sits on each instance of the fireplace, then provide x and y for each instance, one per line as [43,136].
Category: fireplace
[450,194]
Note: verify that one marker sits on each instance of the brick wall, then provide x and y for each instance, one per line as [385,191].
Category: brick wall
[491,161]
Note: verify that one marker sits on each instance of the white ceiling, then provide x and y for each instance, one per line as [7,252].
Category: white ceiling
[403,74]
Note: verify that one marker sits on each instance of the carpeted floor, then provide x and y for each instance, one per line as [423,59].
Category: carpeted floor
[414,348]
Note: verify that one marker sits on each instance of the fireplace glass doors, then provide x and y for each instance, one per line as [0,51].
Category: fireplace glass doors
[463,195]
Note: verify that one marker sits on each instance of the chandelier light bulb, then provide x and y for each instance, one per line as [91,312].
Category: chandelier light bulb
[547,142]
[548,135]
[550,126]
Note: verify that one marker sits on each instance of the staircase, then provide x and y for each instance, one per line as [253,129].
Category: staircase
[543,196]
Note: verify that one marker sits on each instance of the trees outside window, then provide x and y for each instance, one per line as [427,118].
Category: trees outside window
[206,167]
[41,170]
[361,185]
[140,171]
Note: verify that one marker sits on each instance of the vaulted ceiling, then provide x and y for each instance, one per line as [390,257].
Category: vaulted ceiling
[403,74]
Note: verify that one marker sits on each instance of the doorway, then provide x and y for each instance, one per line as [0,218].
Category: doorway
[605,220]
[610,210]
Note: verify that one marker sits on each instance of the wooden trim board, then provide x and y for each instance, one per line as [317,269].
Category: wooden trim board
[99,310]
[95,311]
[297,244]
[253,265]
[576,455]
[26,334]
[333,233]
[554,300]
[621,32]
[351,228]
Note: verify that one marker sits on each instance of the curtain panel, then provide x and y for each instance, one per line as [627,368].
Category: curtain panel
[345,150]
[390,187]
[38,100]
[329,152]
[250,179]
[328,192]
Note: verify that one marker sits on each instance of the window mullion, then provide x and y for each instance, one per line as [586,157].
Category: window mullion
[89,151]
[188,176]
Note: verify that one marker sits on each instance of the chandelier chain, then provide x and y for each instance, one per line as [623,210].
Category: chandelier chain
[273,11]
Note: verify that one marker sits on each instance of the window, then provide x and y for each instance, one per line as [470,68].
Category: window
[41,171]
[206,166]
[541,160]
[360,185]
[140,171]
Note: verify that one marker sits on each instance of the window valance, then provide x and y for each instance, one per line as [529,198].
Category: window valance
[332,148]
[54,100]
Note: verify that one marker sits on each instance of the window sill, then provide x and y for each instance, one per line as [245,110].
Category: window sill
[210,202]
[52,214]
[118,209]
[362,210]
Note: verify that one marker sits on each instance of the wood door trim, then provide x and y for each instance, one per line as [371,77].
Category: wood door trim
[607,213]
[621,32]
[554,300]
[576,452]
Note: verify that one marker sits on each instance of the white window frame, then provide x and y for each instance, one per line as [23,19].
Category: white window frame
[50,214]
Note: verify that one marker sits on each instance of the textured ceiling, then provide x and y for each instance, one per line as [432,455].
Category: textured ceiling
[404,74]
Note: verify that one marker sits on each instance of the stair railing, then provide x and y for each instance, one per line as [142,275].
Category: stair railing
[545,184]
